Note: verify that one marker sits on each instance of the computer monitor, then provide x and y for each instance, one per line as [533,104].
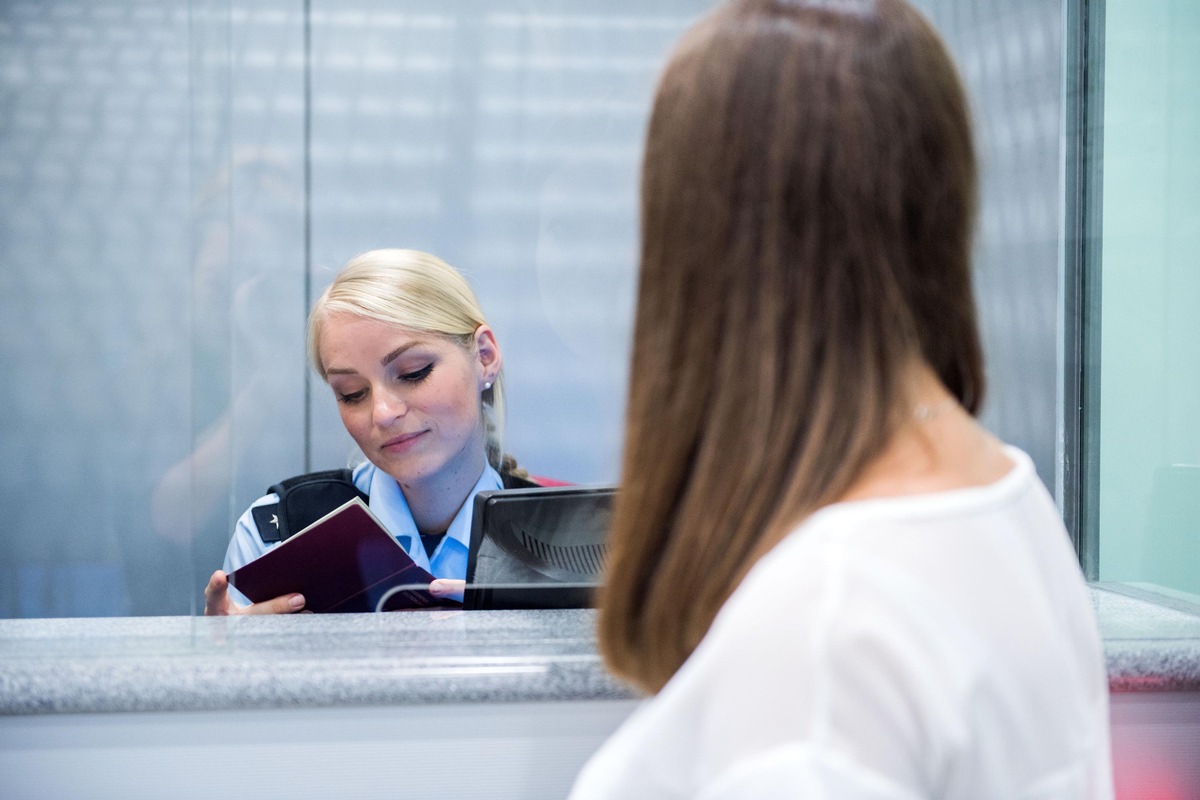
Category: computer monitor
[542,547]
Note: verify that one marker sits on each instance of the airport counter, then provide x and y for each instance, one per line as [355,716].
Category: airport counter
[496,704]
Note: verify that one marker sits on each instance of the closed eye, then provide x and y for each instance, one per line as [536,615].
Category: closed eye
[352,398]
[418,375]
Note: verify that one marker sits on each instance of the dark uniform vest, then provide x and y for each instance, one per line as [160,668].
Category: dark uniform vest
[304,499]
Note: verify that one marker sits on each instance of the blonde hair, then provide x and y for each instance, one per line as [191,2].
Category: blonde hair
[419,292]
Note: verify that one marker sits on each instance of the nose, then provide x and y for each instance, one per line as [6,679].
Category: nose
[388,406]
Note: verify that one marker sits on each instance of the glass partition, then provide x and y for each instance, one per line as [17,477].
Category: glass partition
[180,182]
[95,212]
[1144,330]
[247,250]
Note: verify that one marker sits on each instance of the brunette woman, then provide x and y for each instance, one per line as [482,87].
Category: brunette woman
[833,581]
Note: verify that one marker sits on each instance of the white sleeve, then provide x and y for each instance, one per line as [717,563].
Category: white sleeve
[246,545]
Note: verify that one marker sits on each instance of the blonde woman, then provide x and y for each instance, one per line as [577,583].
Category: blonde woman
[834,582]
[416,372]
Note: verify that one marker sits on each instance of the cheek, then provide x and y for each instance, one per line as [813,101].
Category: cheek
[459,407]
[352,420]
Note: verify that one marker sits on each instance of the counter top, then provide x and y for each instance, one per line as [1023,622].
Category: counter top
[199,663]
[1151,642]
[308,661]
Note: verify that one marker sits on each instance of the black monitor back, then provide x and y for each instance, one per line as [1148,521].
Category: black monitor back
[542,547]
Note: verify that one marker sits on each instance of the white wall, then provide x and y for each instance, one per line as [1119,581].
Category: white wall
[500,751]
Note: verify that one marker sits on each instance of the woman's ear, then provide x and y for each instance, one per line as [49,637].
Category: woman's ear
[488,353]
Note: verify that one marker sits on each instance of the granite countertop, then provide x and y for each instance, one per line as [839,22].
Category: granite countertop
[201,663]
[1151,641]
[309,661]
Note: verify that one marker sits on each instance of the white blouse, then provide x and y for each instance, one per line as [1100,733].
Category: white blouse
[933,646]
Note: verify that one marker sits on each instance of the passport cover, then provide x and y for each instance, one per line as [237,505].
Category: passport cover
[345,561]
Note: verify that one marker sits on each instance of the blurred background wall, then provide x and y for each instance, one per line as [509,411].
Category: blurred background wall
[179,181]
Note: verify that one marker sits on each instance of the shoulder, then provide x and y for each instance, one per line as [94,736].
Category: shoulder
[247,543]
[906,637]
[281,512]
[260,517]
[767,675]
[860,651]
[892,637]
[296,502]
[789,686]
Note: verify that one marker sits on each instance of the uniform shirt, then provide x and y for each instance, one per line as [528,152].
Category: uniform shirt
[934,646]
[387,502]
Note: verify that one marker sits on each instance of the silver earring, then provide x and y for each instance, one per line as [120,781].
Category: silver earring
[487,386]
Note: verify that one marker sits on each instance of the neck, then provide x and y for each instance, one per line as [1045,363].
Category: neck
[434,501]
[937,446]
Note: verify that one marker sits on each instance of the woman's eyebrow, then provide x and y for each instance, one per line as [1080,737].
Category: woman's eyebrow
[392,356]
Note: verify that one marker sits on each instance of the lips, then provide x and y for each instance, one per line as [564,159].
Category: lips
[398,444]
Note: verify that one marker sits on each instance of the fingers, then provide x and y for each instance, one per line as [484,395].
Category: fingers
[284,604]
[218,604]
[216,596]
[445,587]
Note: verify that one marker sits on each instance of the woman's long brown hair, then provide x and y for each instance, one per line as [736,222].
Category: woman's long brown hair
[808,193]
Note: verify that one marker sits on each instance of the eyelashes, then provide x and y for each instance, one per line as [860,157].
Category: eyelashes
[417,376]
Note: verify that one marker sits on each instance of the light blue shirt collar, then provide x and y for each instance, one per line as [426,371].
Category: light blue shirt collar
[449,560]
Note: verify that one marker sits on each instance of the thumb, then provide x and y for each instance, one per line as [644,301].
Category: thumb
[445,587]
[284,604]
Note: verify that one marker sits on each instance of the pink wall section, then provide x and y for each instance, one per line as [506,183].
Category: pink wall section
[1156,745]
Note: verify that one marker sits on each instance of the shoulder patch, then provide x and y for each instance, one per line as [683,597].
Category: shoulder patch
[267,519]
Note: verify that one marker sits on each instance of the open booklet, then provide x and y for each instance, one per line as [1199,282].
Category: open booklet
[345,561]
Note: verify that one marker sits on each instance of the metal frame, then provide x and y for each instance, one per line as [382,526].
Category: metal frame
[1084,110]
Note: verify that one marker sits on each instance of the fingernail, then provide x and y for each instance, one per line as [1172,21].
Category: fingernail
[296,601]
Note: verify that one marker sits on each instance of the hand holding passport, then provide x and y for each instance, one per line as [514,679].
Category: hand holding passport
[345,561]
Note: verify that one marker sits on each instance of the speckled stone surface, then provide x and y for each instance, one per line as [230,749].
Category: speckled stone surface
[307,661]
[194,664]
[1149,646]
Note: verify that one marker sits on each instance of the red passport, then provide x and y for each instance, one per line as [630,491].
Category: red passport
[345,561]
